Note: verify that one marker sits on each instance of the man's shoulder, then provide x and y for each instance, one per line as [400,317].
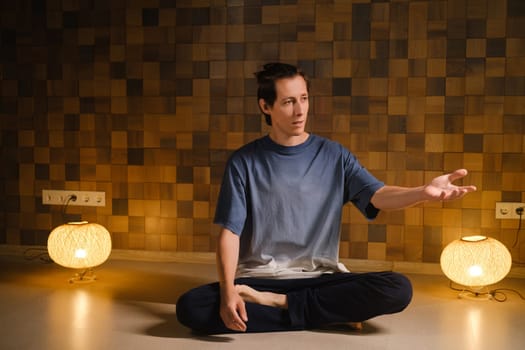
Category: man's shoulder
[246,152]
[250,147]
[329,144]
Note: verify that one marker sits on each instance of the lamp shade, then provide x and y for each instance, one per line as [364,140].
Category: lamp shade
[79,245]
[476,261]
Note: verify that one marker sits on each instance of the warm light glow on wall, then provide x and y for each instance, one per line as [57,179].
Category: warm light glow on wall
[79,245]
[476,261]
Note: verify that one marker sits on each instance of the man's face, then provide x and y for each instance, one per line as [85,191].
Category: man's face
[290,109]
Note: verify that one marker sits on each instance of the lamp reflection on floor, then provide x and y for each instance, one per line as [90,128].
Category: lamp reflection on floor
[80,309]
[74,315]
[473,320]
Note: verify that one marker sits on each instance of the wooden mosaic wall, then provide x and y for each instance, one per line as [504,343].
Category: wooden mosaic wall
[145,100]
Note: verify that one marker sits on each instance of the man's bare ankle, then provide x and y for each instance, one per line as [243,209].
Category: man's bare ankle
[249,294]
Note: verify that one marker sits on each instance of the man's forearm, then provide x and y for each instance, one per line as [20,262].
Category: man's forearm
[395,197]
[232,309]
[227,258]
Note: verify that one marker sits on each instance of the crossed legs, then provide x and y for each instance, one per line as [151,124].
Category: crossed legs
[295,304]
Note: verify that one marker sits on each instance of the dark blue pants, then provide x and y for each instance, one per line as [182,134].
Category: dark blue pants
[312,302]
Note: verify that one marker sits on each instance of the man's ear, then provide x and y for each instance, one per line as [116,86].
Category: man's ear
[264,106]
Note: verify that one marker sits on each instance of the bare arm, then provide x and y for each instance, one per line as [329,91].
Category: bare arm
[233,310]
[439,189]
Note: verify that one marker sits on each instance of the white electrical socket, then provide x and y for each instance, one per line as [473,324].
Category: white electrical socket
[507,210]
[84,198]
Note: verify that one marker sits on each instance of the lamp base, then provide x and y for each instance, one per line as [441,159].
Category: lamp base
[86,276]
[475,295]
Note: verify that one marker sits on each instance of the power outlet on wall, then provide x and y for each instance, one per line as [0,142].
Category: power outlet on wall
[69,197]
[507,210]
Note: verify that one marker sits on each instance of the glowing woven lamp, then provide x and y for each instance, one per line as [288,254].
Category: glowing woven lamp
[476,262]
[79,245]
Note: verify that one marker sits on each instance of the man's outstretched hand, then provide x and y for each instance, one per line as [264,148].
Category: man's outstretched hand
[442,188]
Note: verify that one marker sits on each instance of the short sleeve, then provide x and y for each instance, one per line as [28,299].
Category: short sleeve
[360,186]
[231,210]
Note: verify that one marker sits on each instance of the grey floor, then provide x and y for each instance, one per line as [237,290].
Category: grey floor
[131,306]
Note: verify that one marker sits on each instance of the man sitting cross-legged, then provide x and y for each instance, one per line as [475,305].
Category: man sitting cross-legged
[280,208]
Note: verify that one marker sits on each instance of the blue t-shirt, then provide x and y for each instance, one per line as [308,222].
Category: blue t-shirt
[286,205]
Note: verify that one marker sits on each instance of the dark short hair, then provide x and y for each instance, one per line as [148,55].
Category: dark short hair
[267,77]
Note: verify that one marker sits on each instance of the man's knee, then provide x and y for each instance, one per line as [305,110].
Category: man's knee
[198,309]
[401,293]
[183,310]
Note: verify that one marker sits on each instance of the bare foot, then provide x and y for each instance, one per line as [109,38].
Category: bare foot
[356,326]
[264,298]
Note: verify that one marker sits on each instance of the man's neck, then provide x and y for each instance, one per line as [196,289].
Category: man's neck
[289,140]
